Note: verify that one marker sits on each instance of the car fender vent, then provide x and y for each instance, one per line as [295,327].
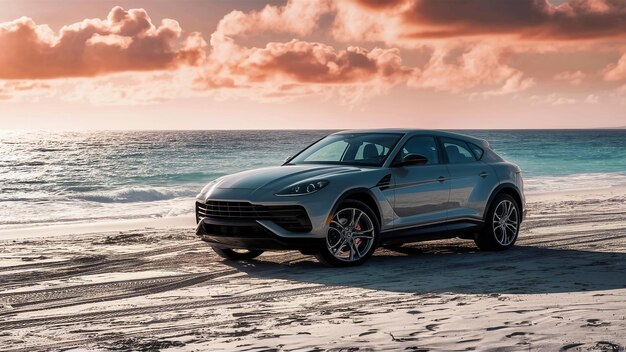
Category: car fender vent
[384,182]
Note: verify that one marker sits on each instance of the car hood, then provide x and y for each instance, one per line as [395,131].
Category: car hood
[278,177]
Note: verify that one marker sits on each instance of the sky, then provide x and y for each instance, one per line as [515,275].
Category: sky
[326,64]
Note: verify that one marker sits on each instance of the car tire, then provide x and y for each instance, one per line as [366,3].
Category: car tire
[502,224]
[239,254]
[360,238]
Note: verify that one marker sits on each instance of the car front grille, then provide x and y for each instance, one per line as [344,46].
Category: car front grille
[290,217]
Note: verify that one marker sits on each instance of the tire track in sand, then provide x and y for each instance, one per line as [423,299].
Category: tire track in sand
[161,308]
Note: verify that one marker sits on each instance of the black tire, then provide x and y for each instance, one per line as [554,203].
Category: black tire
[308,251]
[491,238]
[325,255]
[239,254]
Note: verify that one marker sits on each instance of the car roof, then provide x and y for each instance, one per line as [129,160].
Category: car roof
[412,132]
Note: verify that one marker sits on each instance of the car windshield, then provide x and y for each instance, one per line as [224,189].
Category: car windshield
[369,149]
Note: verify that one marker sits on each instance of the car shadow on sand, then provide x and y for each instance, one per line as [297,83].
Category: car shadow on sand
[460,269]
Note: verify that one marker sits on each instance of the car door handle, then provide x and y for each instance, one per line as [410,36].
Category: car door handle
[441,178]
[483,174]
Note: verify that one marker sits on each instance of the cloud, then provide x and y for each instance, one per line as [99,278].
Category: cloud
[573,77]
[285,69]
[553,99]
[512,84]
[534,20]
[616,72]
[129,88]
[17,90]
[476,67]
[292,68]
[124,41]
[452,46]
[296,67]
[307,62]
[380,4]
[592,99]
[367,23]
[297,16]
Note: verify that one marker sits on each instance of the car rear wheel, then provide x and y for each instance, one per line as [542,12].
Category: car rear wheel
[352,235]
[501,225]
[237,254]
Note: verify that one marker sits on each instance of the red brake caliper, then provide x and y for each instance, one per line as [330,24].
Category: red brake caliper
[357,241]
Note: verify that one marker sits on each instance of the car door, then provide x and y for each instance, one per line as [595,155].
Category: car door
[470,180]
[421,191]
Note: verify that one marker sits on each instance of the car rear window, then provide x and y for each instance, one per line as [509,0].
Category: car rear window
[478,151]
[457,151]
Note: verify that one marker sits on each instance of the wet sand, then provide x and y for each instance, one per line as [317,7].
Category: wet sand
[563,287]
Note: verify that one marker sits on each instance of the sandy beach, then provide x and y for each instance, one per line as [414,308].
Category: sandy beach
[563,287]
[123,121]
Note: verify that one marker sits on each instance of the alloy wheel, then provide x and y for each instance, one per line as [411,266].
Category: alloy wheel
[350,235]
[505,222]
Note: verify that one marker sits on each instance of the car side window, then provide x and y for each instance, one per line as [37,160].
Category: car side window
[457,151]
[422,145]
[368,151]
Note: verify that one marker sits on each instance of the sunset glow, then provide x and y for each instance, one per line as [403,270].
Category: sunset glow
[312,64]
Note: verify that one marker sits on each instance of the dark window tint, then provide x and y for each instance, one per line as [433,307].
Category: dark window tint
[370,150]
[457,151]
[478,151]
[490,156]
[422,145]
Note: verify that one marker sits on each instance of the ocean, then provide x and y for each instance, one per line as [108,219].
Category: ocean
[58,177]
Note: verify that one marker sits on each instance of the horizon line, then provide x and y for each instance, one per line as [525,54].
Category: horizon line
[305,129]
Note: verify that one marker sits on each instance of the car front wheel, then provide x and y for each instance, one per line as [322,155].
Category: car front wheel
[237,254]
[502,224]
[352,235]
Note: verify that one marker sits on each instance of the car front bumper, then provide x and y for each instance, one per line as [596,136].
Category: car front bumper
[227,225]
[251,235]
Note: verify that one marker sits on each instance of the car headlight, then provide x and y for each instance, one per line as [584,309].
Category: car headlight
[303,188]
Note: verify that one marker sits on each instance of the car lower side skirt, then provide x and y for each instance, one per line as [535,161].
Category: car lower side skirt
[459,228]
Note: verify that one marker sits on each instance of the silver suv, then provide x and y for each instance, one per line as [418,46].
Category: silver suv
[353,191]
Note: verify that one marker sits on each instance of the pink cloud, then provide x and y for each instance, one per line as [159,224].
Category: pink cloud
[309,62]
[552,99]
[573,77]
[478,67]
[413,21]
[536,19]
[299,17]
[462,47]
[380,4]
[592,99]
[297,66]
[124,41]
[616,72]
[12,90]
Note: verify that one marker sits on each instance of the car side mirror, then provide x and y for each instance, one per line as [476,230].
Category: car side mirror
[413,159]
